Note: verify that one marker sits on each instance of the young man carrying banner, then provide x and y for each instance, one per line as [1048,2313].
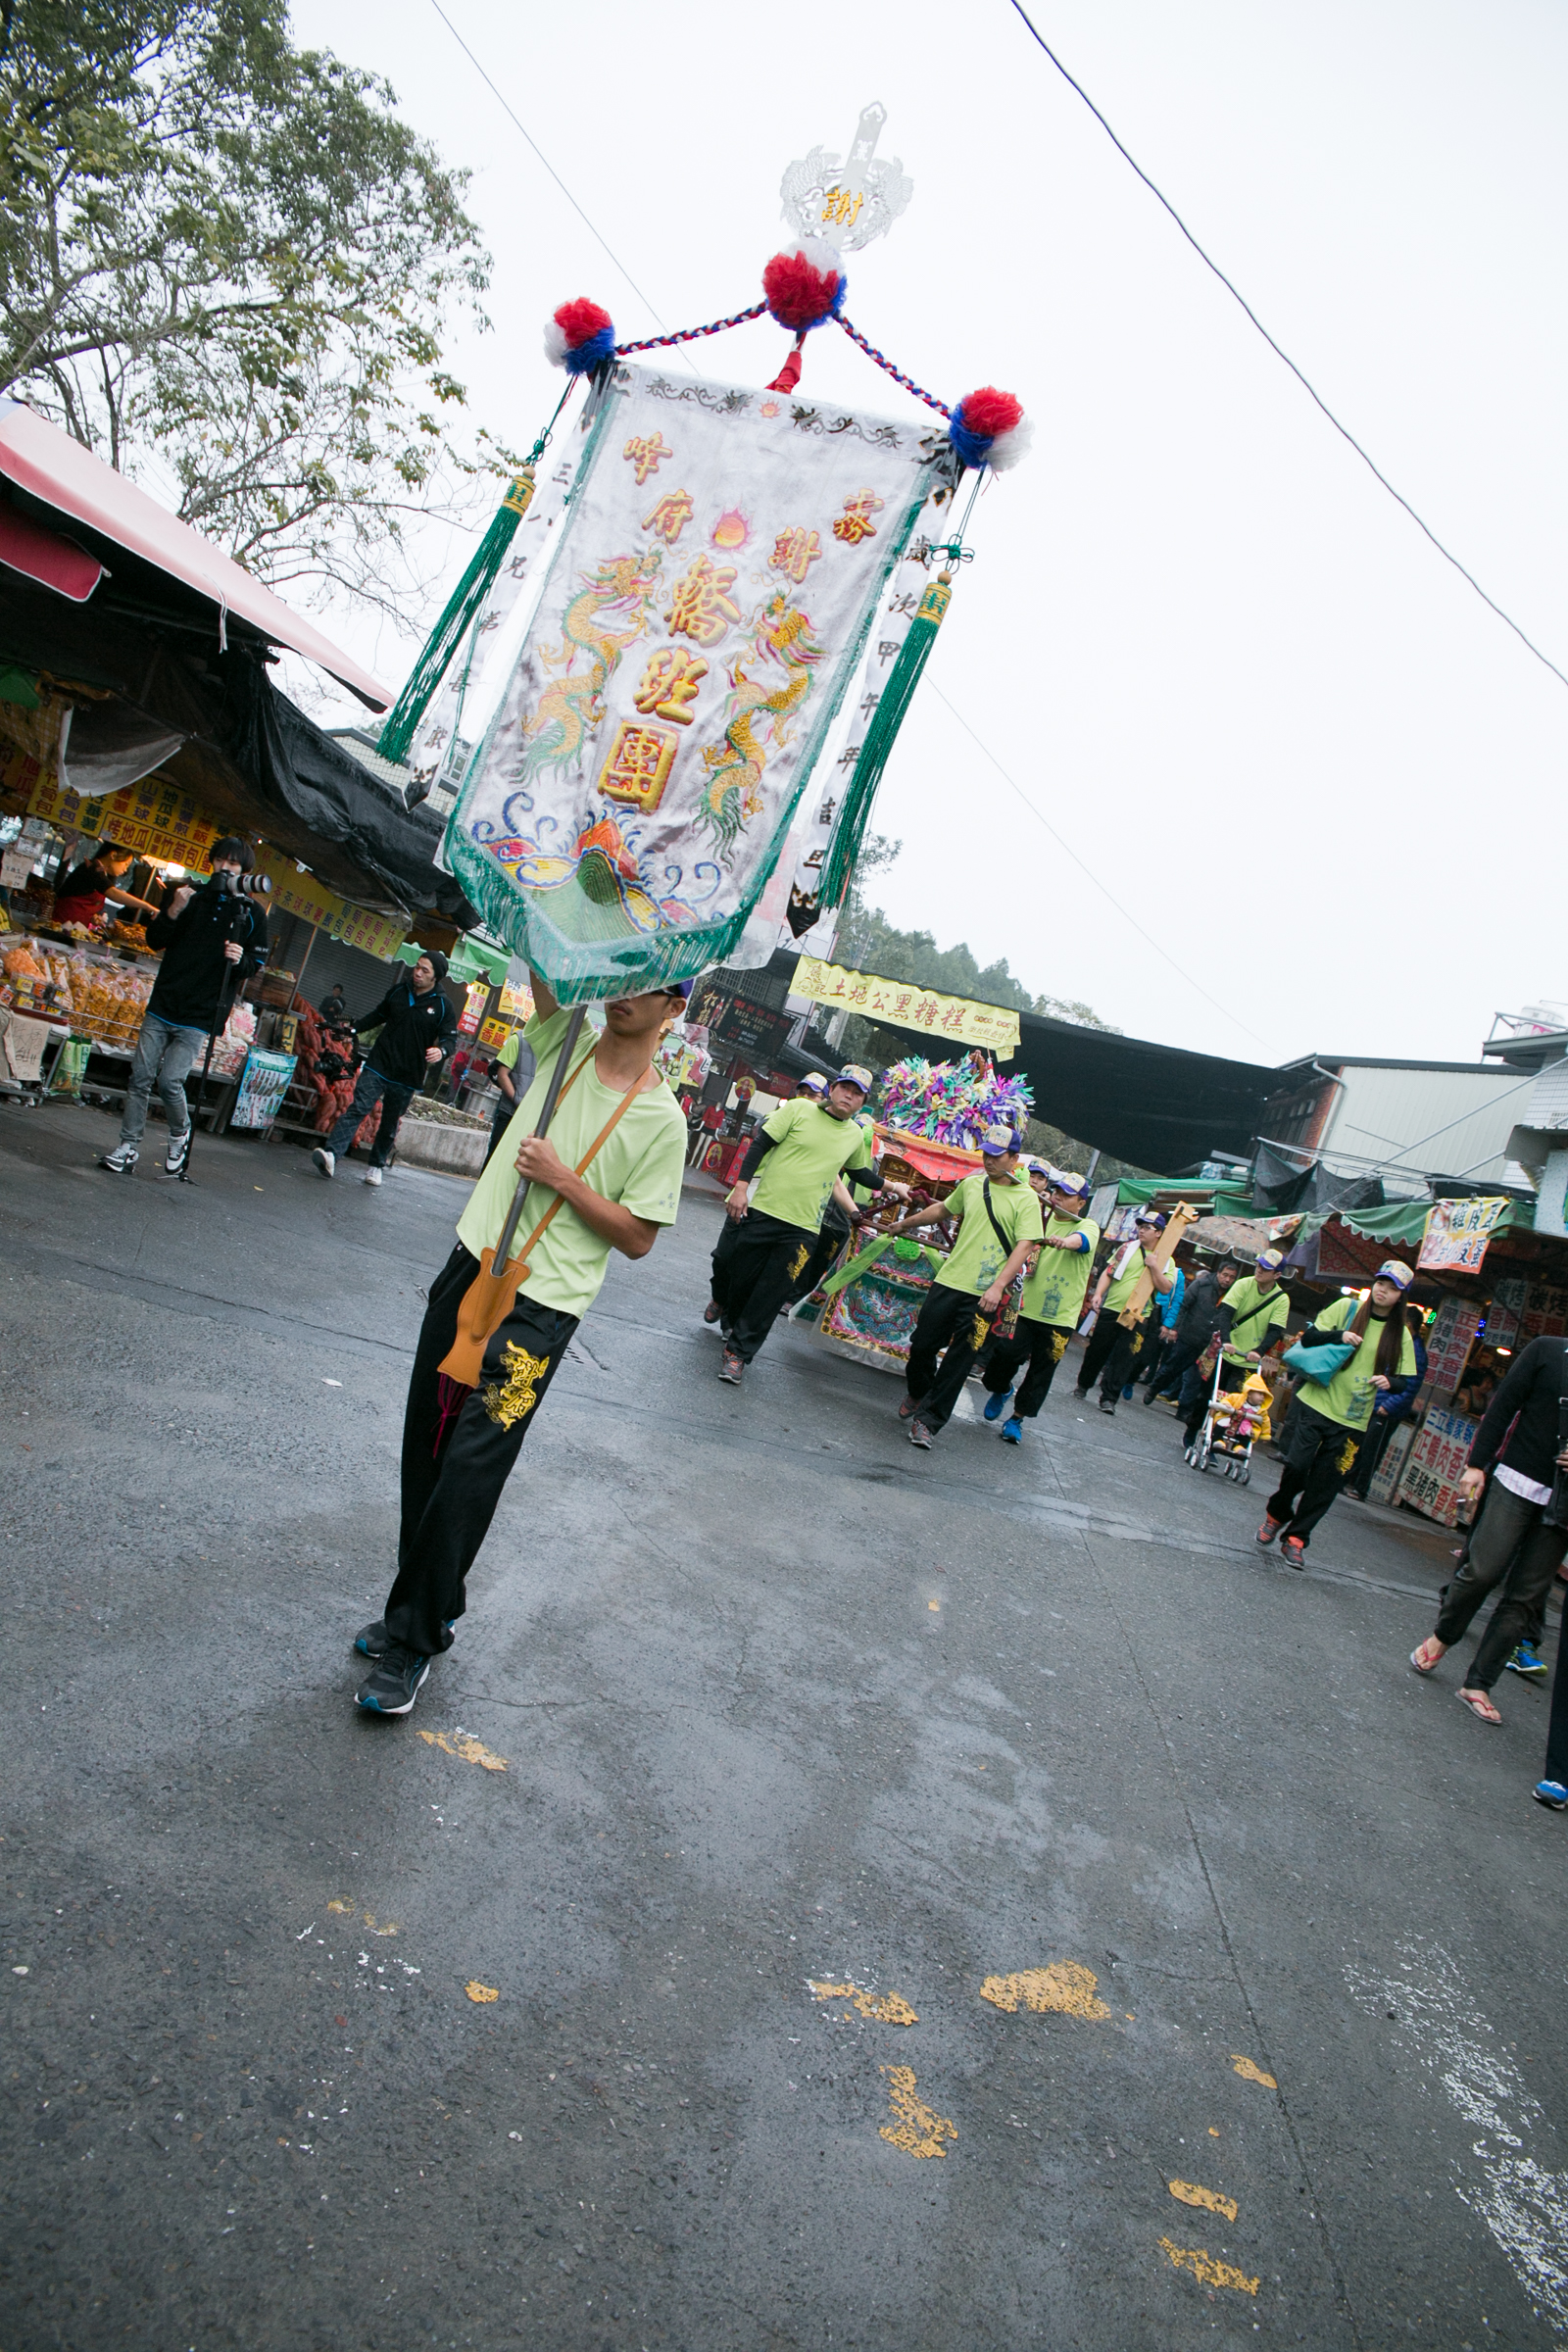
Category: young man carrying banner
[606,1177]
[775,1212]
[1112,1349]
[1051,1308]
[999,1218]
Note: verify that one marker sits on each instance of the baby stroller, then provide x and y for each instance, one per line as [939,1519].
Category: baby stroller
[1233,1422]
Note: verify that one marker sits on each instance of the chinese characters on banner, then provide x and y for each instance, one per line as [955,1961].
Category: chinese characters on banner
[264,1083]
[473,1014]
[378,935]
[302,895]
[947,1018]
[1431,1480]
[1457,1233]
[493,1035]
[153,818]
[712,586]
[1509,1298]
[516,1001]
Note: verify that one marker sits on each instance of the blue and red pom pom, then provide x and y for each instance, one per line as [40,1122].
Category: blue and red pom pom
[988,427]
[579,336]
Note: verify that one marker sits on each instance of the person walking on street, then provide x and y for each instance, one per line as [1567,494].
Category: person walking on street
[774,1210]
[1252,1322]
[201,961]
[1160,1340]
[1326,1422]
[1113,1351]
[1389,1410]
[1195,1326]
[606,1177]
[512,1082]
[1516,1549]
[418,1031]
[998,1217]
[1049,1309]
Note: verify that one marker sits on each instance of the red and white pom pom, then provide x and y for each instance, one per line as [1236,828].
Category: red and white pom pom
[805,285]
[579,335]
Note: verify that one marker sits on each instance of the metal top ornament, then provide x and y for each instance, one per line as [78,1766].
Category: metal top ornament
[848,201]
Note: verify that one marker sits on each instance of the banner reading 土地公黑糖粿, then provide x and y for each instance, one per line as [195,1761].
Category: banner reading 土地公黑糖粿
[707,600]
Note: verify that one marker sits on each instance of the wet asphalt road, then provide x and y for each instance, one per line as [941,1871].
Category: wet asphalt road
[498,2025]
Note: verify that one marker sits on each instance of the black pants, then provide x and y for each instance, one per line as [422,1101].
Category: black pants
[758,1259]
[454,1470]
[1557,1729]
[949,1321]
[1318,1453]
[1039,1346]
[1112,1352]
[1172,1369]
[1380,1429]
[371,1089]
[1513,1549]
[830,1242]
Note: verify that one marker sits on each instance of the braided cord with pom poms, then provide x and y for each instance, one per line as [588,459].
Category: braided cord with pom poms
[899,377]
[690,334]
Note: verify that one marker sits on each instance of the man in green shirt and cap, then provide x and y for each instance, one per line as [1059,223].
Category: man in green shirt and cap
[1251,1323]
[999,1218]
[1051,1307]
[774,1211]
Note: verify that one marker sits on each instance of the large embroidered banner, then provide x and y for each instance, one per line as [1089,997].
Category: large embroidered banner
[710,592]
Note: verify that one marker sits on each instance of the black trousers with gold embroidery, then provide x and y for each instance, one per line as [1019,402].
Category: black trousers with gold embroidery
[755,1266]
[1039,1346]
[455,1467]
[950,1324]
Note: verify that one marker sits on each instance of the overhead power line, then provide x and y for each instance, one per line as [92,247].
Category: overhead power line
[517,124]
[1092,876]
[1209,262]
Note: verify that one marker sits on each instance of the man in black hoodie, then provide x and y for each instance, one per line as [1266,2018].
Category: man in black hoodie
[204,933]
[418,1029]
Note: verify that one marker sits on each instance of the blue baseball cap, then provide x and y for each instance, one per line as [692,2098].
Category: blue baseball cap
[1269,1261]
[1395,1270]
[852,1074]
[997,1141]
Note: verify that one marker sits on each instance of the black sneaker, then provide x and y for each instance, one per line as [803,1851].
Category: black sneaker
[1107,1405]
[374,1640]
[395,1684]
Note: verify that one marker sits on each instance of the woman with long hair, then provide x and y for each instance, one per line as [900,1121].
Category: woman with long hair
[1330,1416]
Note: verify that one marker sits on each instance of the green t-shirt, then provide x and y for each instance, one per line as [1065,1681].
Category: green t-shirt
[1348,1398]
[1259,1314]
[1055,1291]
[640,1168]
[506,1058]
[1124,1284]
[977,1256]
[810,1148]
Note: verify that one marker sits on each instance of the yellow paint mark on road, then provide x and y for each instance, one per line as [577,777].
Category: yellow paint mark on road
[347,1911]
[918,2131]
[1251,2072]
[1063,1989]
[933,1604]
[1203,2266]
[1188,2193]
[892,2009]
[335,1905]
[1212,2133]
[471,1751]
[481,1993]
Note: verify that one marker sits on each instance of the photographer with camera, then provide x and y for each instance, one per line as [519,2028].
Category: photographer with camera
[418,1031]
[205,932]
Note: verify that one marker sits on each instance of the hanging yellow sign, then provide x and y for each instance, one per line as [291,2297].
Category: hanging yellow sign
[949,1019]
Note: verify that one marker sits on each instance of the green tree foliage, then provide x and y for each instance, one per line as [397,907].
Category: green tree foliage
[231,253]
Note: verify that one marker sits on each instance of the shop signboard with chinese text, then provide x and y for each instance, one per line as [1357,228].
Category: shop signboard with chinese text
[751,1029]
[1438,1459]
[1457,1233]
[1447,1344]
[950,1020]
[263,1084]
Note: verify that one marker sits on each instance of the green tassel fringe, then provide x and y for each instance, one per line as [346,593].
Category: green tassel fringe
[855,813]
[464,607]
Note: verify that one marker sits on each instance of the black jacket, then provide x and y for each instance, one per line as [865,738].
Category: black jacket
[1535,1382]
[409,1026]
[1198,1319]
[195,971]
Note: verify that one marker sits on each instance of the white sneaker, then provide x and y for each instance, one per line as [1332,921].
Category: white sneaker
[179,1153]
[121,1160]
[373,1175]
[325,1161]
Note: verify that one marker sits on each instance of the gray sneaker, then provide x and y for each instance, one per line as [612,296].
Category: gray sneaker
[373,1175]
[323,1160]
[121,1160]
[919,1435]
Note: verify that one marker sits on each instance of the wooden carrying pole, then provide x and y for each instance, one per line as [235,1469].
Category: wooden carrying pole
[1181,1216]
[487,1300]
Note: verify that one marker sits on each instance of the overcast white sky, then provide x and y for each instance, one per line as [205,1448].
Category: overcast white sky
[1209,648]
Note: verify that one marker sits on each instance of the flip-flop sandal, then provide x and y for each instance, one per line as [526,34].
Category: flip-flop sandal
[1432,1666]
[1480,1706]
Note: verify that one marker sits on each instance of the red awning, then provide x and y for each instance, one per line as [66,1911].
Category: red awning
[58,472]
[43,556]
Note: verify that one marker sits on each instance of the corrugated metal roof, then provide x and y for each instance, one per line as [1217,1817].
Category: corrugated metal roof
[1419,1118]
